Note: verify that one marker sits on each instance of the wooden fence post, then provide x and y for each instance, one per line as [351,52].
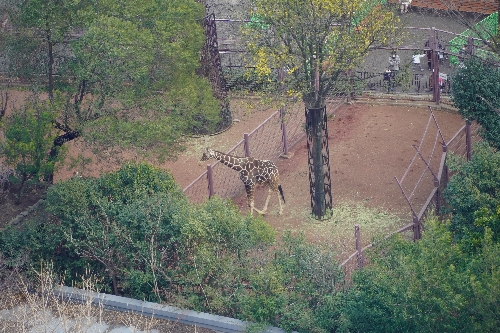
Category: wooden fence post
[443,182]
[361,260]
[468,142]
[211,190]
[246,139]
[417,232]
[281,77]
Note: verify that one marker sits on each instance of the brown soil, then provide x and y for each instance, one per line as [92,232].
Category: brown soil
[369,145]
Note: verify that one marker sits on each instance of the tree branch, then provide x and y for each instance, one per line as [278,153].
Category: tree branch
[497,110]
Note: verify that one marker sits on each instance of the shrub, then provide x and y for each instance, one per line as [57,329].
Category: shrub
[472,195]
[430,285]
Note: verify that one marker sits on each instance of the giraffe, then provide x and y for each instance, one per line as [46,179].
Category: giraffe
[252,172]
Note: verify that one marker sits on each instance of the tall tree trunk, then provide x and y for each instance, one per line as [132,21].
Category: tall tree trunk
[58,142]
[114,281]
[50,73]
[21,188]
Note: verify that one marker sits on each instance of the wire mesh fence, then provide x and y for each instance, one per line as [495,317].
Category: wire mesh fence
[226,182]
[426,177]
[265,142]
[198,190]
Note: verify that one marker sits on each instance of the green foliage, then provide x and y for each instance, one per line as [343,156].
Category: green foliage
[303,37]
[138,225]
[137,233]
[476,91]
[472,195]
[294,288]
[424,287]
[127,68]
[29,137]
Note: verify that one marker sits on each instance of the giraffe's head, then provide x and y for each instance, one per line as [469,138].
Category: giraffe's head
[207,154]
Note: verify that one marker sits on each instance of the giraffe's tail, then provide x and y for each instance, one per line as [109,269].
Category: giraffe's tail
[281,192]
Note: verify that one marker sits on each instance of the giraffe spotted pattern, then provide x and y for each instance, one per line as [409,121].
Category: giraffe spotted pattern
[252,172]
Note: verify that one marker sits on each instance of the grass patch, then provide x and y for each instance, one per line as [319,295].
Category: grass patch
[338,228]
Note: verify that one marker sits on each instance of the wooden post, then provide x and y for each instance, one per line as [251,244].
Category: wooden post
[211,190]
[246,140]
[358,246]
[468,141]
[284,137]
[470,46]
[416,228]
[435,67]
[283,130]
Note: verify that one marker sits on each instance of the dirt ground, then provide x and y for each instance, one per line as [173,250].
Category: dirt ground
[369,145]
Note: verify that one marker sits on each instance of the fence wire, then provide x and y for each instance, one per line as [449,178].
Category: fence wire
[266,140]
[197,191]
[226,182]
[295,122]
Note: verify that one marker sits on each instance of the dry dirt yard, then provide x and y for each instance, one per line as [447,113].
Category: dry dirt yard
[369,145]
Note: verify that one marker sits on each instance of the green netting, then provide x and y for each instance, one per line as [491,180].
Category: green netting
[368,6]
[487,27]
[257,21]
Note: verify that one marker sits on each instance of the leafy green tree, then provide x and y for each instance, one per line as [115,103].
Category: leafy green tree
[29,136]
[316,42]
[323,37]
[138,226]
[127,69]
[44,25]
[425,286]
[295,287]
[472,195]
[476,91]
[110,220]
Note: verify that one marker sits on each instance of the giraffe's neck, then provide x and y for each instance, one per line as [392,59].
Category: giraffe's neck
[235,163]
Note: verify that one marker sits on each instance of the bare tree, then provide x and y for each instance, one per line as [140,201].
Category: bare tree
[487,36]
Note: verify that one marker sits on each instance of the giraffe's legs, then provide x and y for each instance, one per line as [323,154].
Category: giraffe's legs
[250,199]
[279,200]
[267,201]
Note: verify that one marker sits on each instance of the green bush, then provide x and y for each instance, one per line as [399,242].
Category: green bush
[425,286]
[472,195]
[138,235]
[294,287]
[475,91]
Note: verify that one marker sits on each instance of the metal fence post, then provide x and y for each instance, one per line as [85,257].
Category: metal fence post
[358,246]
[211,190]
[246,139]
[468,141]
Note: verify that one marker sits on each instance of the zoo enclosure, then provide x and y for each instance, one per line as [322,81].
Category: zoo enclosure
[460,144]
[268,141]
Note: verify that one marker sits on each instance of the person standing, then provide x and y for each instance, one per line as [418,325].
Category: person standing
[388,79]
[416,61]
[404,5]
[394,62]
